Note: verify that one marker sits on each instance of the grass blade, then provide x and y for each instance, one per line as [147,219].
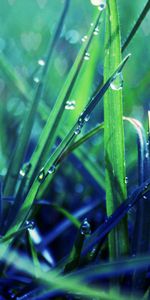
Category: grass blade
[114,135]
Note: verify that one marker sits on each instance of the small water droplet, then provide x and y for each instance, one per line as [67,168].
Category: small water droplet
[96,31]
[84,38]
[126,180]
[117,83]
[145,187]
[147,155]
[78,130]
[87,117]
[30,225]
[41,62]
[22,173]
[144,197]
[85,227]
[41,175]
[52,169]
[70,105]
[36,79]
[102,5]
[87,56]
[92,24]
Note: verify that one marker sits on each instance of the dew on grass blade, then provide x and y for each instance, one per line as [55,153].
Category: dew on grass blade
[100,3]
[41,175]
[84,38]
[126,180]
[30,225]
[117,83]
[87,117]
[22,173]
[70,105]
[87,56]
[85,227]
[41,62]
[52,169]
[96,31]
[36,79]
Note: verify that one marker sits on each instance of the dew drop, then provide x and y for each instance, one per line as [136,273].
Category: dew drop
[87,117]
[96,31]
[87,56]
[117,83]
[30,225]
[84,38]
[78,130]
[70,105]
[144,197]
[41,175]
[126,180]
[36,79]
[41,62]
[100,3]
[85,227]
[147,155]
[22,173]
[52,169]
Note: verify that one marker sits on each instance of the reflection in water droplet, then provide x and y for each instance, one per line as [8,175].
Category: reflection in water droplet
[87,56]
[85,227]
[41,62]
[70,105]
[117,83]
[52,169]
[36,79]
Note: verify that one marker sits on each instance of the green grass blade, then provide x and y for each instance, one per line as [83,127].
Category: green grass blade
[137,25]
[68,215]
[114,135]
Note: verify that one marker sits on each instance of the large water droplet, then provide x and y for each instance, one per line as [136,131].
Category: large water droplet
[70,105]
[117,83]
[87,56]
[85,227]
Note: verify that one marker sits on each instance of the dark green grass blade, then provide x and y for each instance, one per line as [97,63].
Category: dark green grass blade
[114,134]
[52,163]
[137,25]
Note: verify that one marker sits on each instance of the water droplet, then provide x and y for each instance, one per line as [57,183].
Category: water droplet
[70,105]
[22,173]
[36,79]
[147,155]
[144,197]
[87,56]
[41,175]
[78,130]
[102,5]
[126,180]
[145,187]
[87,117]
[85,227]
[41,62]
[84,38]
[52,169]
[117,83]
[30,225]
[96,31]
[92,24]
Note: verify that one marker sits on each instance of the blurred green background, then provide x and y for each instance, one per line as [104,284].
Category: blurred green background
[26,28]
